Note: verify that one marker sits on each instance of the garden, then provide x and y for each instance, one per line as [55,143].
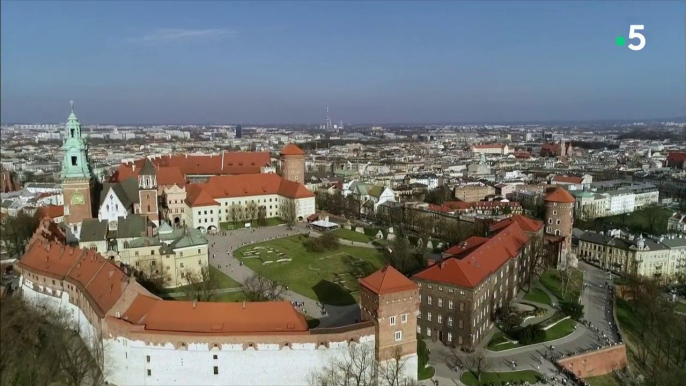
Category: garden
[501,378]
[329,275]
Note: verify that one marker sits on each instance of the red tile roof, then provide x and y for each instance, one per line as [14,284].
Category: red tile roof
[52,211]
[559,194]
[472,269]
[196,195]
[527,224]
[214,318]
[440,208]
[292,149]
[387,280]
[465,246]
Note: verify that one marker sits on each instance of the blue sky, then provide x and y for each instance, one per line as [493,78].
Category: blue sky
[285,62]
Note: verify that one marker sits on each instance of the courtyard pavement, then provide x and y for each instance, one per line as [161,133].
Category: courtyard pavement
[224,243]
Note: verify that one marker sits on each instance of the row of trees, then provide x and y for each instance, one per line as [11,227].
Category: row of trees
[16,233]
[249,212]
[326,242]
[39,347]
[348,206]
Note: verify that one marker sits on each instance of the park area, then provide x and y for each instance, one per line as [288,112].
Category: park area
[501,378]
[329,277]
[351,235]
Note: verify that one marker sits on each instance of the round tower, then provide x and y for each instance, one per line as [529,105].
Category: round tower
[559,215]
[293,163]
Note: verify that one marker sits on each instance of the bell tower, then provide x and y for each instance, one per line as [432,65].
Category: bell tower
[77,178]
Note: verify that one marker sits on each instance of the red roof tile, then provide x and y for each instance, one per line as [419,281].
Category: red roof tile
[52,211]
[214,318]
[559,194]
[465,246]
[527,224]
[196,195]
[292,149]
[252,185]
[387,280]
[472,269]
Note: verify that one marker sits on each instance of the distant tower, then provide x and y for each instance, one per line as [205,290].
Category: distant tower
[147,192]
[7,182]
[77,177]
[563,148]
[293,163]
[559,217]
[328,120]
[239,131]
[391,301]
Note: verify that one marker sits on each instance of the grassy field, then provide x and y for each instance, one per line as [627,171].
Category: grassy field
[560,330]
[426,373]
[539,296]
[224,282]
[638,221]
[501,378]
[681,307]
[351,235]
[552,283]
[330,277]
[500,341]
[604,380]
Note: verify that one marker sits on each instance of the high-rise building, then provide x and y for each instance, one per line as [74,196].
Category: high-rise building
[239,131]
[77,177]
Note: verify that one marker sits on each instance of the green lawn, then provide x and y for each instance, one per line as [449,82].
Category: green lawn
[626,317]
[530,376]
[552,283]
[351,235]
[681,307]
[603,380]
[426,373]
[638,221]
[560,330]
[330,277]
[224,282]
[539,296]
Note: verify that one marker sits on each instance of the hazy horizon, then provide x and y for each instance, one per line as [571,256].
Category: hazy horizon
[285,62]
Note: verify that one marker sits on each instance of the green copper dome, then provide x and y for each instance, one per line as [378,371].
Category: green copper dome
[75,164]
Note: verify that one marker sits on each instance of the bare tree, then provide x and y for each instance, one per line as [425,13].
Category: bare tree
[234,213]
[359,368]
[534,256]
[258,288]
[251,210]
[569,282]
[477,363]
[289,212]
[201,285]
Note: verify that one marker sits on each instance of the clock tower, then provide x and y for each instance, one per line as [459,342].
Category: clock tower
[77,178]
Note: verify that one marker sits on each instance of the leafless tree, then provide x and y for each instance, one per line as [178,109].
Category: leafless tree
[251,210]
[288,211]
[569,282]
[201,285]
[534,256]
[234,213]
[258,288]
[477,363]
[391,372]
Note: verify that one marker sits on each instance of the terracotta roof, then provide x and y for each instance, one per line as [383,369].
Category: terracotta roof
[292,149]
[214,318]
[196,195]
[50,258]
[568,179]
[52,211]
[252,185]
[527,224]
[465,246]
[559,194]
[440,208]
[387,280]
[476,266]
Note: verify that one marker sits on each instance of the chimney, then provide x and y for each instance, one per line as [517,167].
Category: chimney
[223,159]
[133,167]
[243,303]
[195,303]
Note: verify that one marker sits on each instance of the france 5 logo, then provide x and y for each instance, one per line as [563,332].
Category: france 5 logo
[621,41]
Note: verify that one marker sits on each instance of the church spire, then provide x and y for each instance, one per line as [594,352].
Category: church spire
[75,164]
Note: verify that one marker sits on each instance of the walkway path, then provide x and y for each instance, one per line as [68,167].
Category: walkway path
[223,245]
[217,291]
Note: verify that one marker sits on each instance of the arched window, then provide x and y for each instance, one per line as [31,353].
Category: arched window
[148,208]
[557,232]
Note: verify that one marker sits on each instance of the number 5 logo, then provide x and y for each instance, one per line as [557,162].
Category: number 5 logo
[636,35]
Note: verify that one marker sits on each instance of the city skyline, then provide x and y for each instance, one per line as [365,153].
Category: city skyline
[285,63]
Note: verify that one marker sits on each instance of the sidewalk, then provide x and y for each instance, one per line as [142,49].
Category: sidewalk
[217,291]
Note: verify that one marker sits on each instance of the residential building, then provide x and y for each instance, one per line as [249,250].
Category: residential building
[677,222]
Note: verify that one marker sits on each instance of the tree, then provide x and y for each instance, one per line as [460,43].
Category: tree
[534,256]
[17,232]
[234,213]
[569,282]
[652,214]
[531,334]
[573,309]
[477,363]
[358,367]
[258,288]
[150,277]
[404,257]
[262,216]
[509,317]
[438,196]
[251,210]
[201,285]
[289,212]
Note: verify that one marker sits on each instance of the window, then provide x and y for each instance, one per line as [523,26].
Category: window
[440,288]
[149,372]
[440,302]
[450,321]
[557,222]
[428,331]
[428,316]
[403,318]
[392,320]
[428,300]
[398,335]
[450,304]
[216,370]
[450,337]
[450,290]
[554,212]
[462,306]
[419,315]
[214,356]
[430,286]
[439,318]
[181,265]
[419,330]
[460,323]
[198,250]
[550,221]
[147,358]
[420,298]
[73,159]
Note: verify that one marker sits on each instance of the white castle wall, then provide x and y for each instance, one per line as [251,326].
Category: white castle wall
[127,362]
[59,304]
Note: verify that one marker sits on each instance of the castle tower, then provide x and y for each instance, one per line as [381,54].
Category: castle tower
[77,177]
[563,148]
[147,192]
[7,182]
[559,216]
[391,301]
[293,163]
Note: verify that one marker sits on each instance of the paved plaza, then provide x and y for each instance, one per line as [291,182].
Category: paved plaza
[224,243]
